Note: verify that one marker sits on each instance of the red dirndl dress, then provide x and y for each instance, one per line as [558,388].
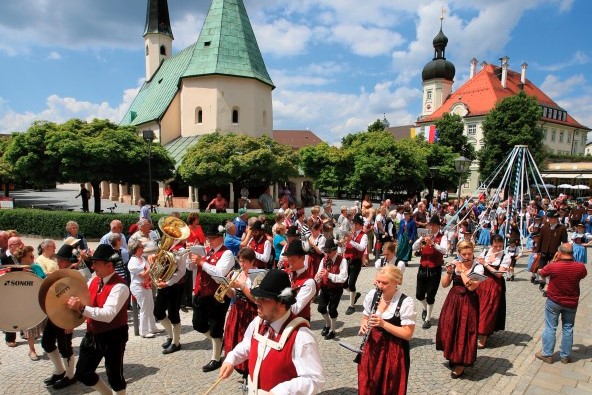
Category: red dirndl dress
[457,329]
[492,304]
[242,312]
[384,366]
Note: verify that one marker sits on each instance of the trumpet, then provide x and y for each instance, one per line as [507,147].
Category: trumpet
[223,288]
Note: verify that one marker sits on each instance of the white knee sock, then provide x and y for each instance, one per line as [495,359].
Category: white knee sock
[70,364]
[430,308]
[333,324]
[207,335]
[58,365]
[216,348]
[176,334]
[101,388]
[327,319]
[122,392]
[168,327]
[425,304]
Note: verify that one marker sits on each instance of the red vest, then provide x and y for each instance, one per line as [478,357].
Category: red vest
[98,300]
[277,367]
[354,253]
[204,283]
[430,257]
[298,282]
[259,248]
[334,269]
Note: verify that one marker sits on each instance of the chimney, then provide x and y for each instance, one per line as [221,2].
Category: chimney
[473,67]
[523,75]
[504,71]
[483,64]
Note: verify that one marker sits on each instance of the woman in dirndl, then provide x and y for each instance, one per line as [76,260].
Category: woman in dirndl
[385,361]
[406,237]
[459,318]
[579,240]
[24,256]
[485,225]
[243,310]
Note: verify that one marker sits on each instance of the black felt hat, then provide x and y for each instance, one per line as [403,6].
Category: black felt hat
[329,246]
[105,252]
[552,214]
[273,285]
[215,230]
[258,225]
[65,252]
[358,219]
[293,231]
[435,220]
[294,249]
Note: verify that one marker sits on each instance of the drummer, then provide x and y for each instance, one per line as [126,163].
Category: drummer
[63,369]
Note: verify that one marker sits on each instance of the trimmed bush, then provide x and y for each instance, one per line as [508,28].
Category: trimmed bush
[52,224]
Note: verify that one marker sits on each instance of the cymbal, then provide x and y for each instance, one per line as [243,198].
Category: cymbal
[56,300]
[52,278]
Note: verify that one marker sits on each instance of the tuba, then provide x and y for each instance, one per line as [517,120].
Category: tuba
[164,264]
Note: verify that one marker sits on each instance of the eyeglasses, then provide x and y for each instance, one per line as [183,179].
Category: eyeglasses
[14,244]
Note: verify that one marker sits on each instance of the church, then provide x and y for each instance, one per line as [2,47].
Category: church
[219,83]
[479,95]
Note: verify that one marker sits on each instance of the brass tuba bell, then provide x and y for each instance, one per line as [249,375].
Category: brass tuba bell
[164,265]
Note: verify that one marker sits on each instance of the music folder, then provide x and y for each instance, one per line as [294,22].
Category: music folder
[253,273]
[219,279]
[477,277]
[198,250]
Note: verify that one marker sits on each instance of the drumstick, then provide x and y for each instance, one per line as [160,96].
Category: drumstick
[214,386]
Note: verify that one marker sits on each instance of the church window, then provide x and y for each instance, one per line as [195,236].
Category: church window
[147,50]
[564,116]
[429,95]
[235,116]
[561,137]
[163,50]
[554,114]
[553,135]
[207,43]
[472,129]
[198,116]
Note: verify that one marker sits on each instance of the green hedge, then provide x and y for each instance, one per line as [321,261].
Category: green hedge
[52,224]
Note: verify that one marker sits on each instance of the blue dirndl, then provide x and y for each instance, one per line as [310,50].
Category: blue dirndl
[484,237]
[579,253]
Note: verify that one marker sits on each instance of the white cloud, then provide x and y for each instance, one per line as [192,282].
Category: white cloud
[282,37]
[60,109]
[578,58]
[186,30]
[54,55]
[365,41]
[554,87]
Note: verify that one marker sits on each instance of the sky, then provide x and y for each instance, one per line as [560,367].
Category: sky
[338,65]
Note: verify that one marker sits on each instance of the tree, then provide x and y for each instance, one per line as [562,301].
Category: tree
[442,157]
[6,170]
[325,164]
[412,167]
[221,159]
[513,121]
[450,134]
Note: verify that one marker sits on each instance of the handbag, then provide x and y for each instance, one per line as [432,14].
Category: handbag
[84,270]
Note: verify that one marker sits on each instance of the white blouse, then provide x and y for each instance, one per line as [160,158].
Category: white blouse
[407,311]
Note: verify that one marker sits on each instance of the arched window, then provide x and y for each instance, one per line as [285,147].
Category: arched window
[147,51]
[162,50]
[198,116]
[235,116]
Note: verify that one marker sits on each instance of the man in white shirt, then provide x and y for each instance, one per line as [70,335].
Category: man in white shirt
[291,362]
[106,324]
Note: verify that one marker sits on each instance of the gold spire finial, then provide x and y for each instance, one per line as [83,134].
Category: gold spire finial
[442,14]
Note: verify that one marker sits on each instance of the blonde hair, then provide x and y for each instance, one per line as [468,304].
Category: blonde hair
[392,273]
[390,246]
[465,245]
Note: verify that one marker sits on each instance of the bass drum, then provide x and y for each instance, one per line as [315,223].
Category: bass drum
[19,307]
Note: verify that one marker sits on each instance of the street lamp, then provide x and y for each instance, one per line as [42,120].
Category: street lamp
[433,174]
[148,136]
[461,165]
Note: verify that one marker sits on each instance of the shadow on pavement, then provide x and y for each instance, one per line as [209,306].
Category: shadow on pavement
[487,366]
[506,338]
[134,372]
[419,342]
[340,391]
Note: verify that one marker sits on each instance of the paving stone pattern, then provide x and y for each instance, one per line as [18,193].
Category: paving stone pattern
[507,366]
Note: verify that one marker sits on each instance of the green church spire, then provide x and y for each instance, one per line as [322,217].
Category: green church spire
[227,45]
[157,18]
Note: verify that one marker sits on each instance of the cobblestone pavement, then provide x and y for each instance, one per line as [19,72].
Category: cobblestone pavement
[507,366]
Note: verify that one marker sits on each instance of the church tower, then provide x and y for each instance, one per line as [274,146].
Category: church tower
[437,76]
[158,36]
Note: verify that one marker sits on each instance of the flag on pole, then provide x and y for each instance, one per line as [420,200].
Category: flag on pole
[433,134]
[413,133]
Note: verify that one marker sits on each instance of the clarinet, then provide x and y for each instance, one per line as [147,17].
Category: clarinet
[373,309]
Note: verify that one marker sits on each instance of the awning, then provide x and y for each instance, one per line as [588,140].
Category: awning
[568,176]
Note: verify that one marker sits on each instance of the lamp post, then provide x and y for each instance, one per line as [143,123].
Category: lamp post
[148,136]
[433,174]
[461,165]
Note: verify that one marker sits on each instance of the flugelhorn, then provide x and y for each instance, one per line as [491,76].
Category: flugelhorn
[223,288]
[164,264]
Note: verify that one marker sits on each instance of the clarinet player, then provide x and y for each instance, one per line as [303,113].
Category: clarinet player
[389,322]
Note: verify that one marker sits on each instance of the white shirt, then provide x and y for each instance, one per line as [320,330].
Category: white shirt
[381,263]
[363,243]
[306,293]
[319,242]
[136,266]
[220,269]
[305,356]
[340,277]
[266,250]
[407,310]
[117,298]
[442,247]
[494,259]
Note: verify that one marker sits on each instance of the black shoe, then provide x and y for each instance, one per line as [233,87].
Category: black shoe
[456,376]
[508,279]
[63,383]
[424,314]
[536,282]
[325,331]
[167,343]
[512,277]
[357,297]
[532,280]
[542,286]
[406,264]
[330,335]
[350,310]
[54,378]
[211,366]
[172,348]
[544,294]
[184,309]
[427,324]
